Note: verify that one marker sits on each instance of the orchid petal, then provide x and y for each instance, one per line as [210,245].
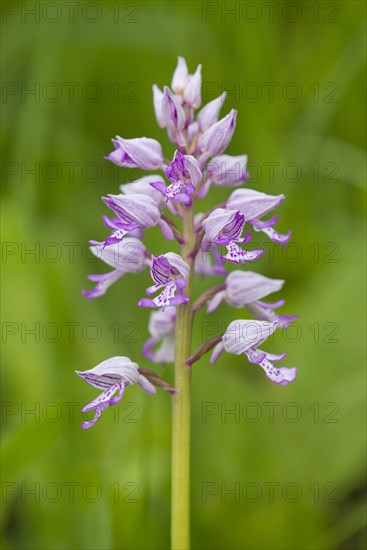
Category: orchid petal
[209,114]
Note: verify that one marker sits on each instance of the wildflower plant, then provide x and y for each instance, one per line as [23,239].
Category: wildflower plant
[171,200]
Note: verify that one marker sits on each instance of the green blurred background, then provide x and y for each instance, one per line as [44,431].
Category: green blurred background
[91,68]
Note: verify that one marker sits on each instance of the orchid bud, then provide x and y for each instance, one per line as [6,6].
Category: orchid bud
[192,93]
[173,113]
[210,113]
[142,152]
[216,139]
[157,103]
[180,76]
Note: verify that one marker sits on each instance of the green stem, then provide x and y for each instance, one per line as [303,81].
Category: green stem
[180,517]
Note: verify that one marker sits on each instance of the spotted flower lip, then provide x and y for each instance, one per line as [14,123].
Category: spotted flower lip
[245,336]
[228,170]
[210,113]
[170,272]
[128,256]
[184,173]
[224,227]
[162,330]
[184,167]
[216,138]
[254,205]
[111,376]
[145,153]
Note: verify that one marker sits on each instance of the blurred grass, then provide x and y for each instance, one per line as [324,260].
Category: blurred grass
[37,210]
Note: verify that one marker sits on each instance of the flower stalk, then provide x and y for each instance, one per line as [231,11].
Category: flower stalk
[181,407]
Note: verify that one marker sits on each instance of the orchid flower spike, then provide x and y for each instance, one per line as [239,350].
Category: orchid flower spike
[167,198]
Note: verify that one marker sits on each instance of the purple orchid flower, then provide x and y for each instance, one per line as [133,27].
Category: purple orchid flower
[133,211]
[246,289]
[162,330]
[170,272]
[142,153]
[185,174]
[203,265]
[254,205]
[224,227]
[173,113]
[111,376]
[216,138]
[243,288]
[244,336]
[128,256]
[179,82]
[228,170]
